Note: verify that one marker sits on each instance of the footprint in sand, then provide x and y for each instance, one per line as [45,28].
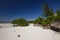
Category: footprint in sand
[17,35]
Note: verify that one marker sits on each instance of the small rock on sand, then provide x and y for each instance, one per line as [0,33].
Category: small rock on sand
[18,35]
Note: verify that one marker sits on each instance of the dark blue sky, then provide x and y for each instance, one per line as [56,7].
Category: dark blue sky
[29,9]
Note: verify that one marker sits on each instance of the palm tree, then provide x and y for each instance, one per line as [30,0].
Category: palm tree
[48,13]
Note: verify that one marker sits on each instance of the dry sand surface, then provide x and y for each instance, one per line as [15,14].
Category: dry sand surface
[8,32]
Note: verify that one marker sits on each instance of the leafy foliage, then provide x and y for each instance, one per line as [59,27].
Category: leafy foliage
[30,21]
[44,22]
[20,22]
[14,22]
[48,13]
[38,20]
[58,15]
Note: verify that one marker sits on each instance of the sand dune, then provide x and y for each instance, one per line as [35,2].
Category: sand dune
[27,33]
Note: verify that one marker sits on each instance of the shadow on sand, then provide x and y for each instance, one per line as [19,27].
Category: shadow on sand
[55,29]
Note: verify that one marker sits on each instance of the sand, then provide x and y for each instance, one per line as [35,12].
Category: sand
[8,32]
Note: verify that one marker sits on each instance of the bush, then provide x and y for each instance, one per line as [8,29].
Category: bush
[20,22]
[38,20]
[14,22]
[44,22]
[30,21]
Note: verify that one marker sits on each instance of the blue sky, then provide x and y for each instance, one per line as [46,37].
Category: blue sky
[28,9]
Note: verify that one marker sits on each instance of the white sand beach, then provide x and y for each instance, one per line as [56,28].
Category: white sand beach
[8,32]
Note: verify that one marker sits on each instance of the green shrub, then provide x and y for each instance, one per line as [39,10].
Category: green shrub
[38,20]
[31,21]
[20,22]
[14,22]
[44,22]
